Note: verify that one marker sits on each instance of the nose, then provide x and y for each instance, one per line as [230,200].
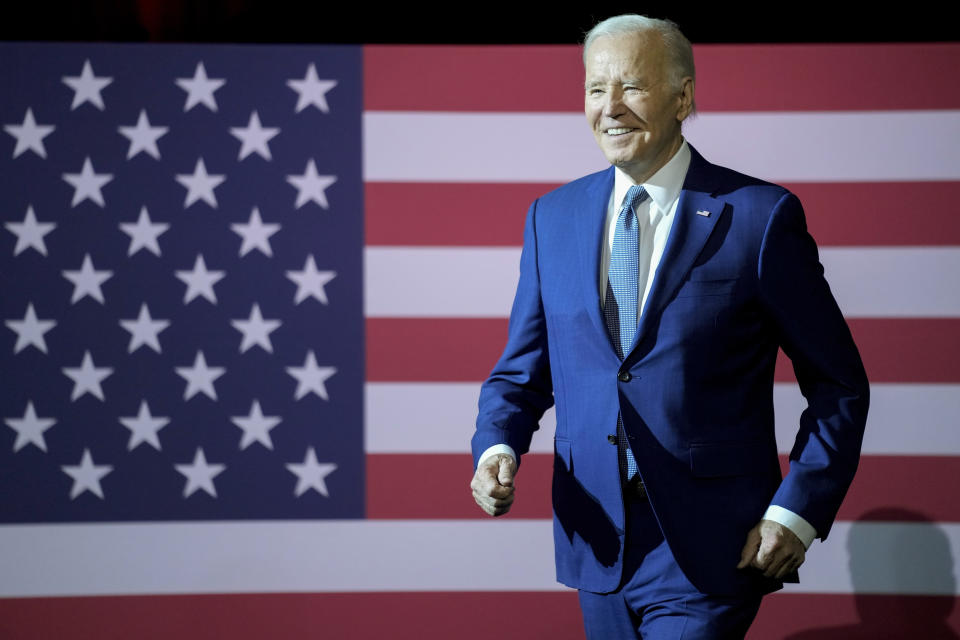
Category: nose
[613,103]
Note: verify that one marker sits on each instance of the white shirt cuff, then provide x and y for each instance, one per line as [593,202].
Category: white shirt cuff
[495,449]
[792,521]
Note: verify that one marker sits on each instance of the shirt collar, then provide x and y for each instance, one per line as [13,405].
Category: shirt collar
[663,186]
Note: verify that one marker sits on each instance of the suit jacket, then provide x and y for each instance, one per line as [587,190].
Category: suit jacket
[739,277]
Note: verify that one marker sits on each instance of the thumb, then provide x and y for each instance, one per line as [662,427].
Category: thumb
[507,469]
[750,548]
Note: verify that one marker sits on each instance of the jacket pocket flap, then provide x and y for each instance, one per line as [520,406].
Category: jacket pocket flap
[693,287]
[719,459]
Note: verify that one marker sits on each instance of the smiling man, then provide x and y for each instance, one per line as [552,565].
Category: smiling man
[652,301]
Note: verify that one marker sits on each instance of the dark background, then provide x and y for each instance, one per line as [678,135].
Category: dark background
[349,21]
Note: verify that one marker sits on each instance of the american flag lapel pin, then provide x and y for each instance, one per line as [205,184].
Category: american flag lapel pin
[704,213]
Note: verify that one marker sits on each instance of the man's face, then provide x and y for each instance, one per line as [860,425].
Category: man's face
[632,107]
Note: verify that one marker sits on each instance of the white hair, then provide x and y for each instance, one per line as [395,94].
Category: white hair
[679,50]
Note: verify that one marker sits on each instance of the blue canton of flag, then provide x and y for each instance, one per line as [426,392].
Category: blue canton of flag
[180,264]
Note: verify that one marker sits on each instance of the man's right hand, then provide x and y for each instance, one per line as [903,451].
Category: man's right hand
[492,484]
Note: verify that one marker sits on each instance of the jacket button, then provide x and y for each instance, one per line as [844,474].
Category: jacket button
[612,438]
[624,376]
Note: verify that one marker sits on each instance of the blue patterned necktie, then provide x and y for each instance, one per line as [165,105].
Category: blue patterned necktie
[620,303]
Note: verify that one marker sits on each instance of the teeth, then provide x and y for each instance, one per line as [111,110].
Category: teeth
[619,131]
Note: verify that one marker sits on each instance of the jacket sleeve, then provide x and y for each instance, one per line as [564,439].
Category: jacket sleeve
[519,389]
[815,336]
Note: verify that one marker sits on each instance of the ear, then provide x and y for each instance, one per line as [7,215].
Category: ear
[685,99]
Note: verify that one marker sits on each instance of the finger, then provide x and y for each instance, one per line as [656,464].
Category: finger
[776,563]
[749,551]
[483,498]
[506,471]
[485,481]
[791,564]
[490,504]
[786,568]
[797,559]
[493,508]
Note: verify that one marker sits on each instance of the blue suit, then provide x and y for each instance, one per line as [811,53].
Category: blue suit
[739,278]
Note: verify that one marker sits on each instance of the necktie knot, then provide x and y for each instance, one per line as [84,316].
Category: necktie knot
[635,195]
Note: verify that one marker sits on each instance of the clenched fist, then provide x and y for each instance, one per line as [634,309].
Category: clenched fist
[492,484]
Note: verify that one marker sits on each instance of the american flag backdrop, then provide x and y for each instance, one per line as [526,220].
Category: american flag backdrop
[248,294]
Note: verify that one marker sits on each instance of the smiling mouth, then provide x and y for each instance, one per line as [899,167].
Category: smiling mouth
[619,131]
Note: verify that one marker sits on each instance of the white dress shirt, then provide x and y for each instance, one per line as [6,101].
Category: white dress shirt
[655,217]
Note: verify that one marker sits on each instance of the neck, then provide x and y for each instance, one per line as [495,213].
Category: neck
[641,174]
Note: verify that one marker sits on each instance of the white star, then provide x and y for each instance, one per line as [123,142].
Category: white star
[144,427]
[310,282]
[30,233]
[254,137]
[200,89]
[256,427]
[87,378]
[200,185]
[29,135]
[144,233]
[143,137]
[311,378]
[312,90]
[200,377]
[144,330]
[200,281]
[311,474]
[87,87]
[30,330]
[87,184]
[311,186]
[86,475]
[30,429]
[87,281]
[256,330]
[200,474]
[255,234]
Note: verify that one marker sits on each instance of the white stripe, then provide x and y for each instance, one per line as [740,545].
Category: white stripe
[904,419]
[480,281]
[558,147]
[894,281]
[439,282]
[412,418]
[833,146]
[916,558]
[358,556]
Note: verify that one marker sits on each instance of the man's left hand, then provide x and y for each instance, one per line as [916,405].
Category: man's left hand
[772,548]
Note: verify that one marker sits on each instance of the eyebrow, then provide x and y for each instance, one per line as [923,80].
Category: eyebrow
[599,83]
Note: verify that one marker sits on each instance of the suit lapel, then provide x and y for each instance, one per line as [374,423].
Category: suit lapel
[591,216]
[696,216]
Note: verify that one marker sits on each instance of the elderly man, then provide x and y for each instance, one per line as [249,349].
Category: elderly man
[652,300]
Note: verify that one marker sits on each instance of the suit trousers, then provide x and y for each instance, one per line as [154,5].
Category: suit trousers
[655,600]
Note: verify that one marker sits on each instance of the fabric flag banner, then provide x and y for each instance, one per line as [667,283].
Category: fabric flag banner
[249,294]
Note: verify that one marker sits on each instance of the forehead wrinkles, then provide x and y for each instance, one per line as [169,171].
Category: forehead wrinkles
[637,56]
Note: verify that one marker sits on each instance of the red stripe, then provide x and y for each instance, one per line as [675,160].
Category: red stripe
[809,77]
[905,485]
[838,214]
[472,78]
[461,615]
[465,349]
[881,213]
[729,77]
[450,496]
[815,616]
[448,214]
